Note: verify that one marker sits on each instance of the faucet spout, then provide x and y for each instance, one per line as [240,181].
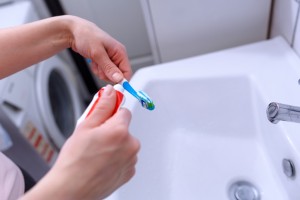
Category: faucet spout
[281,112]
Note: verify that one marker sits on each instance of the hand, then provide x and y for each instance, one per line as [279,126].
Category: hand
[109,57]
[97,159]
[52,35]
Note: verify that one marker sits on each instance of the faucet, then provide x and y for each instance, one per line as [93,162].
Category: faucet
[281,112]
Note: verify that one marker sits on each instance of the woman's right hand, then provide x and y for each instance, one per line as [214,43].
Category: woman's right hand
[96,160]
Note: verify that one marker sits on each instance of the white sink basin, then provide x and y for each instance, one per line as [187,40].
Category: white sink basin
[210,130]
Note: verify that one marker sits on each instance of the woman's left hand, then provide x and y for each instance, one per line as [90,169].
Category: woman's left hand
[109,58]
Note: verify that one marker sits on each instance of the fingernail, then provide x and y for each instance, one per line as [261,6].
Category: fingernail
[107,90]
[117,77]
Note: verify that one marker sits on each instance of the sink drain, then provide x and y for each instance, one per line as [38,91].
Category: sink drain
[243,190]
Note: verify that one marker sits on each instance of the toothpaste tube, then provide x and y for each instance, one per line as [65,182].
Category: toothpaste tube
[120,99]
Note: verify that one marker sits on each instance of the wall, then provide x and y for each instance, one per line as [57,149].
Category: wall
[296,42]
[284,19]
[185,28]
[125,21]
[286,22]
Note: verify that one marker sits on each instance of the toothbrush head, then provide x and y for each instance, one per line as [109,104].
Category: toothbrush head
[145,100]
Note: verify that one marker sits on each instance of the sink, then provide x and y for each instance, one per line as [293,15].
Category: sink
[210,131]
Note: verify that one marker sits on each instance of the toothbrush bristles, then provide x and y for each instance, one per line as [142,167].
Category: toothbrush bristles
[147,105]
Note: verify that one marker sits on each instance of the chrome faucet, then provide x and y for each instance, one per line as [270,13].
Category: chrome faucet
[280,112]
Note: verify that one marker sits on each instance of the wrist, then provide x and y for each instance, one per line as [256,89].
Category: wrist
[65,27]
[52,186]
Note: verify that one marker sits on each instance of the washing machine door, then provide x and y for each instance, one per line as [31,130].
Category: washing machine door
[59,100]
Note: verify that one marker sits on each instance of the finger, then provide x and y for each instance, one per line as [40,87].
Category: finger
[131,162]
[123,116]
[126,69]
[94,69]
[98,72]
[129,170]
[128,149]
[102,75]
[124,65]
[132,149]
[111,71]
[117,129]
[104,108]
[118,55]
[128,175]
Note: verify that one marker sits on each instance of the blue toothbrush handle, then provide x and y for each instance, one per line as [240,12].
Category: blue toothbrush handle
[129,89]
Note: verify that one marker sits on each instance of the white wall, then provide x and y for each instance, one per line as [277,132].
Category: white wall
[296,43]
[41,8]
[286,22]
[184,28]
[284,19]
[125,21]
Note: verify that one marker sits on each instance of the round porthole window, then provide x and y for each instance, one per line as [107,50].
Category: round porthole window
[61,103]
[58,98]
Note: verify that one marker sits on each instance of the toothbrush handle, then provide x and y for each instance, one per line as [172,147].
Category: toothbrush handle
[130,89]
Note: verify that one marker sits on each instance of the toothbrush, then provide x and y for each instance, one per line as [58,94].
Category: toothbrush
[140,95]
[143,98]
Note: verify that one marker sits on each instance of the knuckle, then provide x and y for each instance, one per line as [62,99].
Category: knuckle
[126,114]
[122,48]
[102,76]
[108,68]
[120,133]
[104,104]
[136,145]
[95,53]
[133,146]
[122,129]
[130,173]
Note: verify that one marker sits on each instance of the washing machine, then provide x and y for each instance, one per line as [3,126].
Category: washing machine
[45,100]
[58,99]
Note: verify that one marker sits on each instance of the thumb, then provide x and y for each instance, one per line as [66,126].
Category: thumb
[104,107]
